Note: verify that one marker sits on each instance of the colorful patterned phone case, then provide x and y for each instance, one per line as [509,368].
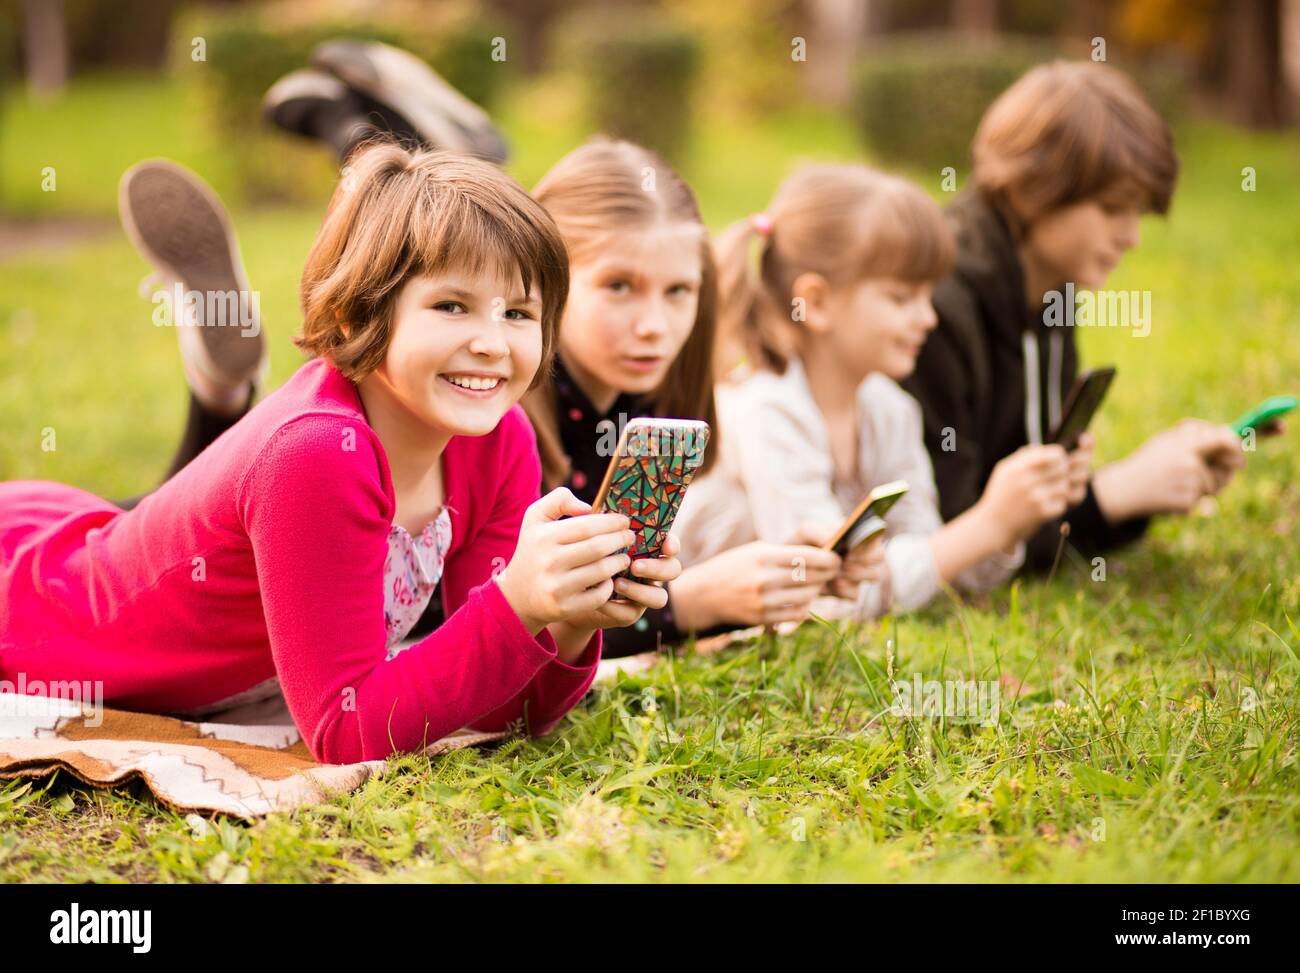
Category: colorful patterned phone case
[647,477]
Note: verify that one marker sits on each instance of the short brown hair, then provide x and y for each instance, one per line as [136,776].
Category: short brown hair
[1067,132]
[845,222]
[397,214]
[598,190]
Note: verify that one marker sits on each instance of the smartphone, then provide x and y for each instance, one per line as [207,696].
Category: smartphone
[867,520]
[1081,405]
[654,463]
[1264,413]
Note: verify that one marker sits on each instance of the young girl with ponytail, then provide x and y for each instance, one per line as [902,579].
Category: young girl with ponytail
[825,319]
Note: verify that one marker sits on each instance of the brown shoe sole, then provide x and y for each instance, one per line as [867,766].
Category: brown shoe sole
[178,223]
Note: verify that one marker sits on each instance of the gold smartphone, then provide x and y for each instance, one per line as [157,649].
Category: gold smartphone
[867,520]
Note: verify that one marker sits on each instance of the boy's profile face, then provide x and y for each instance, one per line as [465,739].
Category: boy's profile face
[464,348]
[1082,243]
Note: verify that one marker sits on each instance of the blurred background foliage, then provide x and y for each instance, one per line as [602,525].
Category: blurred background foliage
[909,77]
[248,47]
[636,71]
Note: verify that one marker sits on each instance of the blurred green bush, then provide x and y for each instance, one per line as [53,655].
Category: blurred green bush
[248,49]
[745,54]
[920,97]
[638,72]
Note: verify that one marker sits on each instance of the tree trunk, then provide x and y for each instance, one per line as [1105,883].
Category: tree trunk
[975,17]
[1088,19]
[835,32]
[1256,88]
[45,41]
[1291,52]
[532,18]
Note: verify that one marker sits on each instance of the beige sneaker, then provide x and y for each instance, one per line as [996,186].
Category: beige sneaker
[178,224]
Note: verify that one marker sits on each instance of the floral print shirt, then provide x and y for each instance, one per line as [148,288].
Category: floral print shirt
[411,574]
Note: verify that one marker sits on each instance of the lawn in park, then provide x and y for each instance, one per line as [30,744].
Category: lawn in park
[1148,720]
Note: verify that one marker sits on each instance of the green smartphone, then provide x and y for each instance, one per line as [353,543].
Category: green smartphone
[1264,413]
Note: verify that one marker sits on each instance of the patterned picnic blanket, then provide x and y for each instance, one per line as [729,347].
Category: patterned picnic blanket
[245,762]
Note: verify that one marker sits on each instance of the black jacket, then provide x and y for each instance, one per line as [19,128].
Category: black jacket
[992,376]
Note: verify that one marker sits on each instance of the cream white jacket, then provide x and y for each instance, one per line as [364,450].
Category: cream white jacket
[775,472]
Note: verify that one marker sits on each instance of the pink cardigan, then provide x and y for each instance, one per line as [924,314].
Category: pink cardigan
[265,556]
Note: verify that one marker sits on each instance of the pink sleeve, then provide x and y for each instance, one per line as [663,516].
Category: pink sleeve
[558,685]
[317,518]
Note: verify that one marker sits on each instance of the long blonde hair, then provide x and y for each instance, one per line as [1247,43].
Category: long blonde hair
[608,187]
[844,222]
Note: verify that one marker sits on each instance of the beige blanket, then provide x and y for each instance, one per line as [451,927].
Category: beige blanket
[244,762]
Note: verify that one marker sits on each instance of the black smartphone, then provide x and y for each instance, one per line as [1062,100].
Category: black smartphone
[1083,402]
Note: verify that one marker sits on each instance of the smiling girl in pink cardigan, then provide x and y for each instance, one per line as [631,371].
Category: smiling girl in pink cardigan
[300,547]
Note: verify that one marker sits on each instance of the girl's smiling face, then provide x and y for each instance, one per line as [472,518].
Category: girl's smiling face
[632,305]
[464,348]
[875,325]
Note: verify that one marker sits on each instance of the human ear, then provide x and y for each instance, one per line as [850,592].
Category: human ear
[810,302]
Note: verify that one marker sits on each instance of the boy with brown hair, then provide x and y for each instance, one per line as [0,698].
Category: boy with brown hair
[1064,164]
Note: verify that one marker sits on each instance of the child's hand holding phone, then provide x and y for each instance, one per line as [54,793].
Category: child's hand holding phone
[1081,405]
[1265,419]
[865,564]
[632,596]
[1026,490]
[564,564]
[1170,472]
[1079,471]
[653,464]
[561,576]
[862,564]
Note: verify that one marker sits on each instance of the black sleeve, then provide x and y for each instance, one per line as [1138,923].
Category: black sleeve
[656,629]
[943,387]
[1090,534]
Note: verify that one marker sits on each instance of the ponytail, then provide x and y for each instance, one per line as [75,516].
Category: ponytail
[749,327]
[846,223]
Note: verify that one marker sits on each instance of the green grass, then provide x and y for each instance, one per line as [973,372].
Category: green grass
[89,136]
[1154,737]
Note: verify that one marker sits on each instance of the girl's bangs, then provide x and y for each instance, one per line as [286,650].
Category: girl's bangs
[462,235]
[908,239]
